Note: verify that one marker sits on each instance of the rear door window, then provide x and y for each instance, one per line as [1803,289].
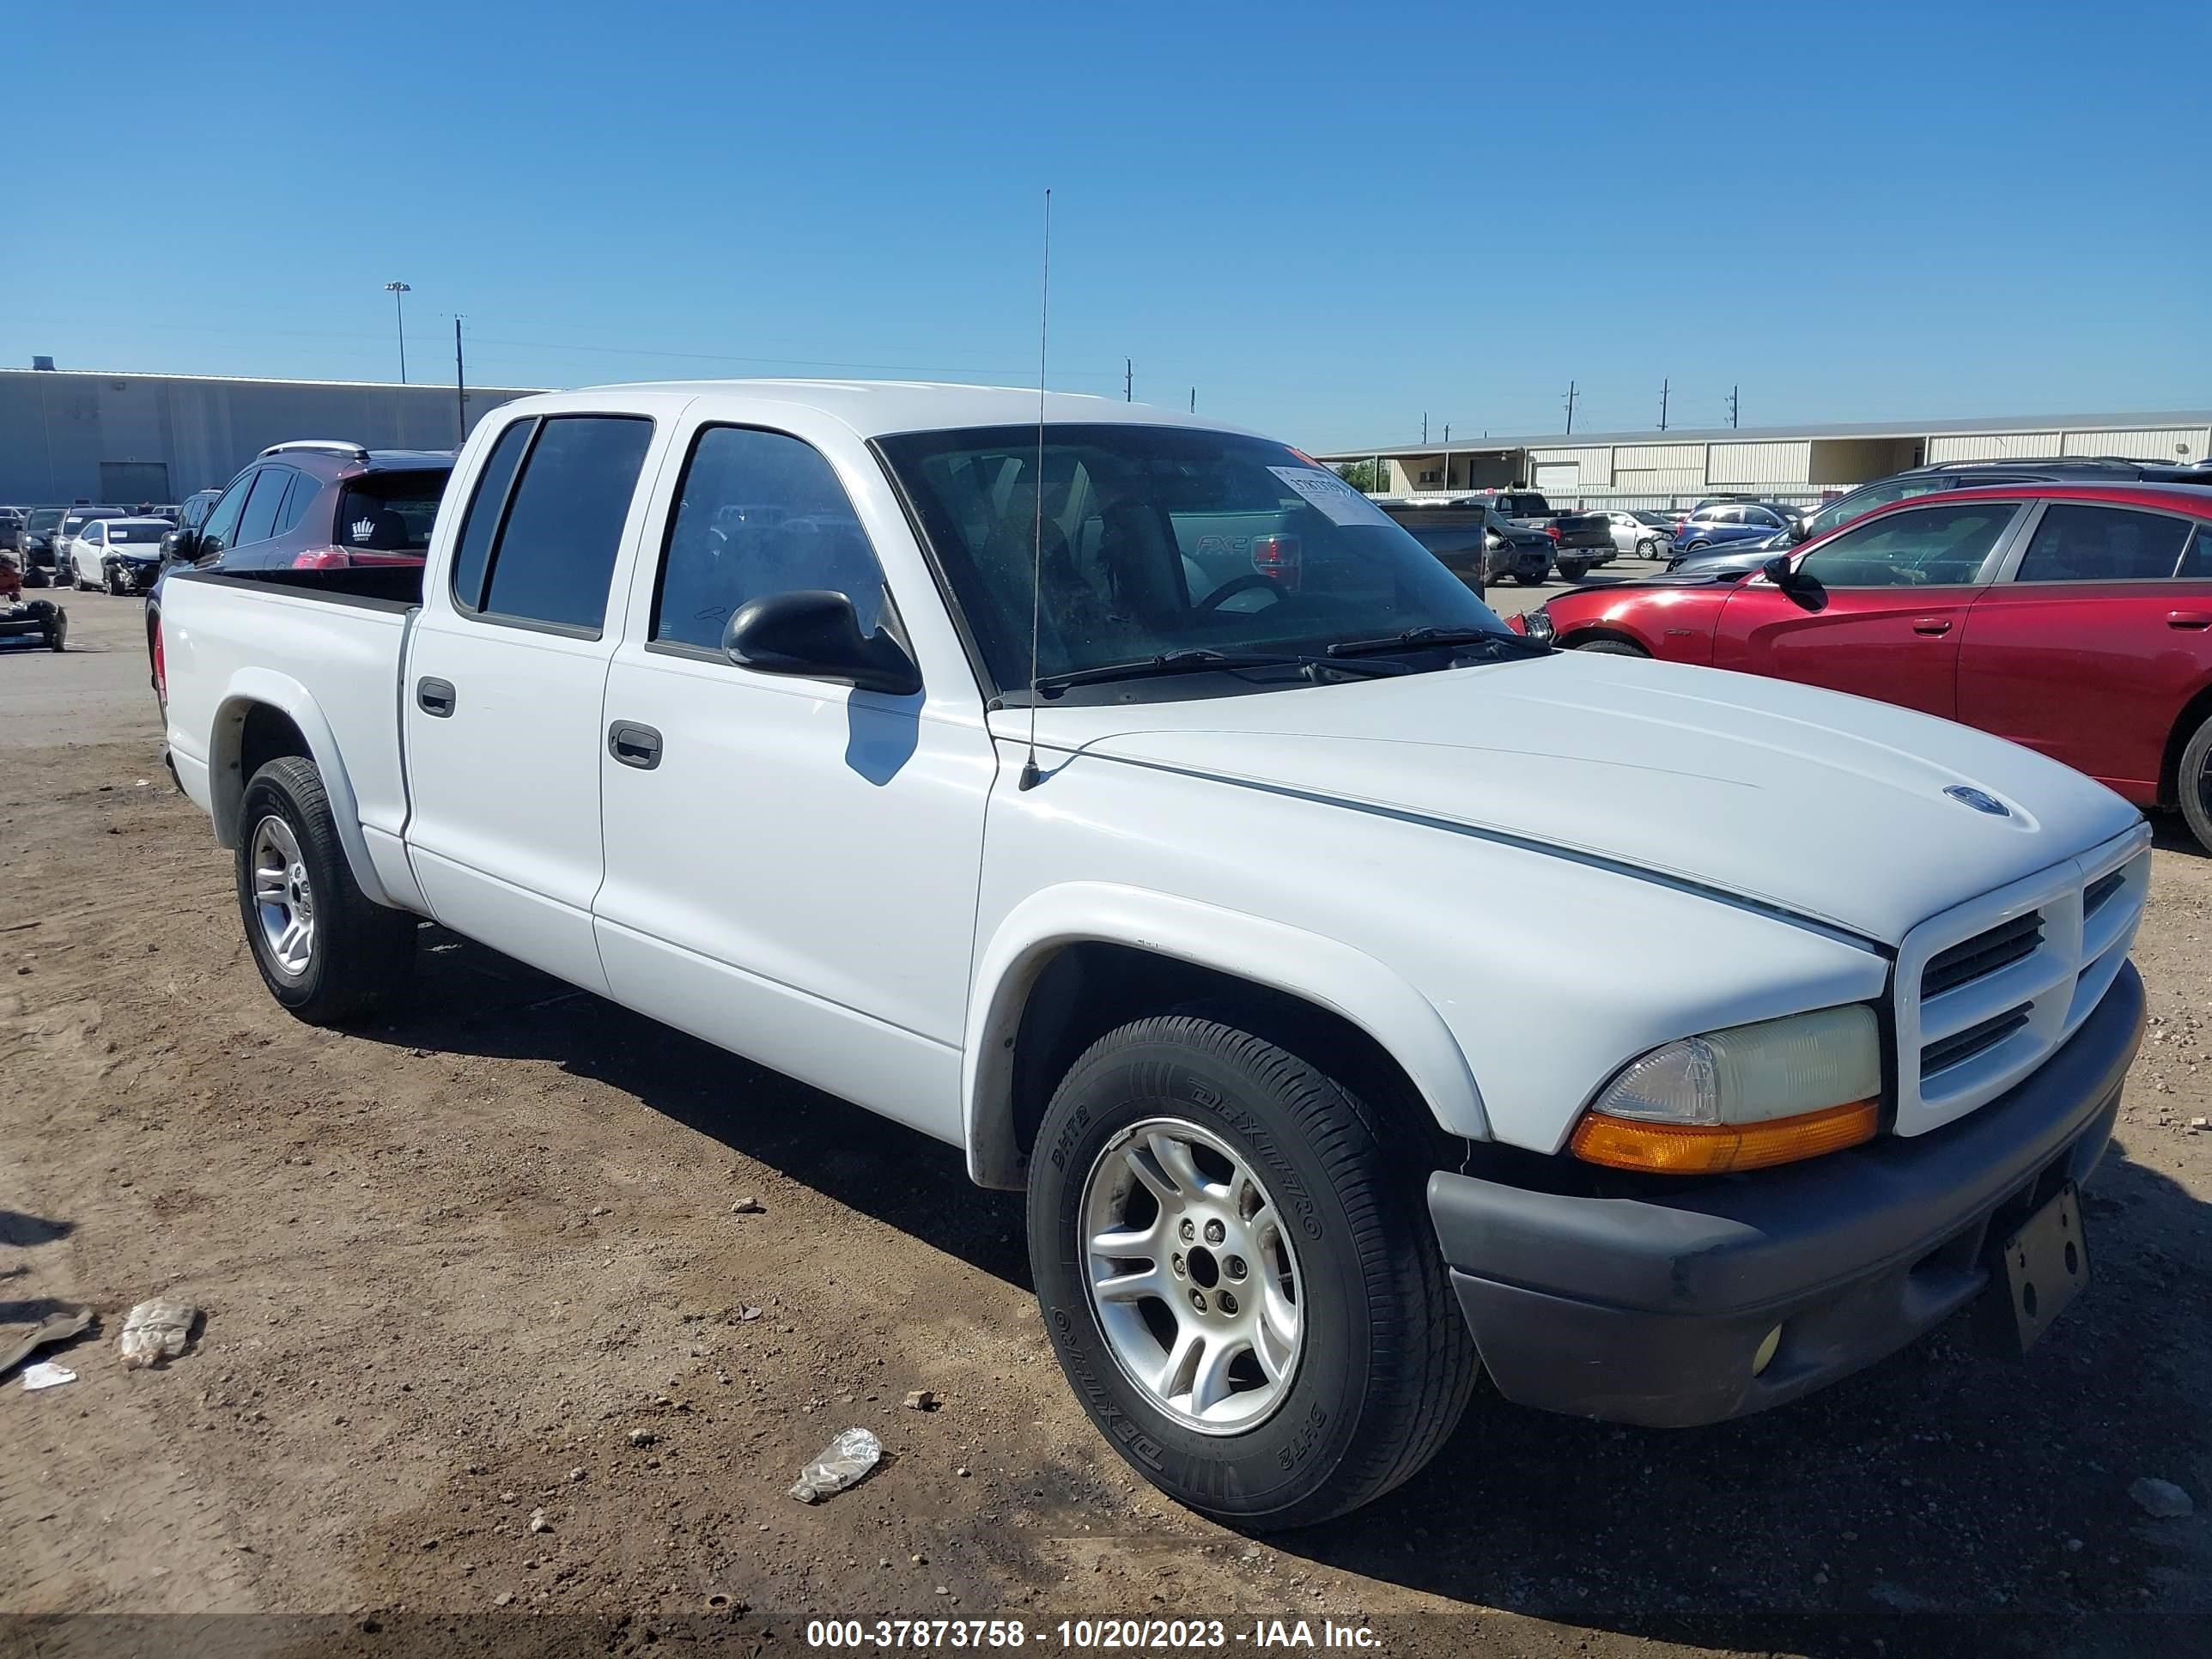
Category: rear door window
[391,512]
[2077,543]
[553,558]
[258,522]
[297,502]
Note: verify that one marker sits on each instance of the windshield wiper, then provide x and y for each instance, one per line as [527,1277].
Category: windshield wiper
[1203,661]
[1413,638]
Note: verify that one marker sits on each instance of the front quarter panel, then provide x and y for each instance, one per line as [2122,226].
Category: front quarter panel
[1675,624]
[1547,971]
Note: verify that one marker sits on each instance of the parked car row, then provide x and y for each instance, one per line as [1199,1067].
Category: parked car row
[2073,617]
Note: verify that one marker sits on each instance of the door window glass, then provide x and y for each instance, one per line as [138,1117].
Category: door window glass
[1930,546]
[760,514]
[2081,544]
[472,553]
[217,533]
[304,490]
[555,556]
[258,522]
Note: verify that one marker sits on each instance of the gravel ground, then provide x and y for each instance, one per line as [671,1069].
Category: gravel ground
[485,1337]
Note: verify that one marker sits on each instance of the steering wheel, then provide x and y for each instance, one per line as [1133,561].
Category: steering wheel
[1236,584]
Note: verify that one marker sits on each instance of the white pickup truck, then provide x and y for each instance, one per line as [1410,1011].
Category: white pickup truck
[1362,992]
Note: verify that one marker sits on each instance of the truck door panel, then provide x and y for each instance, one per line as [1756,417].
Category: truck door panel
[503,685]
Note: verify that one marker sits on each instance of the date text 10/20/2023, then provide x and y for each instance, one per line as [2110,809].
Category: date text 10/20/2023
[1086,1635]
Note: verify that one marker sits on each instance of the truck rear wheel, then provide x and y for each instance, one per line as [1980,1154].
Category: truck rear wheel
[1234,1259]
[1573,570]
[326,951]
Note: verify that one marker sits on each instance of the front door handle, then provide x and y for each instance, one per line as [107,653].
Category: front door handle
[1931,625]
[633,744]
[2188,619]
[435,697]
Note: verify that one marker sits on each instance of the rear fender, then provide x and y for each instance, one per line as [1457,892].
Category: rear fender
[248,688]
[1324,971]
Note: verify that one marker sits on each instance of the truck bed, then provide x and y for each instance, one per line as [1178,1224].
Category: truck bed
[324,647]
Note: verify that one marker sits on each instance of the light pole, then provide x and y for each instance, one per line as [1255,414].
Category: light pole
[395,289]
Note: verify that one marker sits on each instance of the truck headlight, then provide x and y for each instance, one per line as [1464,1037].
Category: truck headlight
[1538,622]
[1742,1098]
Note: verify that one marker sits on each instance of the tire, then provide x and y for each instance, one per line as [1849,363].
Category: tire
[1573,570]
[355,956]
[1611,648]
[115,587]
[58,629]
[1650,550]
[2193,783]
[1696,547]
[1527,580]
[1379,1365]
[34,576]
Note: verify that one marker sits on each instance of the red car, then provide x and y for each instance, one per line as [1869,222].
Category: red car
[2074,618]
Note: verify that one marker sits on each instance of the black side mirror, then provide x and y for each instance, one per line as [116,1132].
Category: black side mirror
[813,634]
[1797,531]
[1804,590]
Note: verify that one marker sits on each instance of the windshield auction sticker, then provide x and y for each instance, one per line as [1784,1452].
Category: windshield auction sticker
[1339,500]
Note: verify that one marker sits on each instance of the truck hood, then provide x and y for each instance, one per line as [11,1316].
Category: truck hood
[1827,806]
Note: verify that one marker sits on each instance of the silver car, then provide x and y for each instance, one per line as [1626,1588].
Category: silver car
[1645,534]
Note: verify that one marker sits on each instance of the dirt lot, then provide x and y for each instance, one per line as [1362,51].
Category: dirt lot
[480,1261]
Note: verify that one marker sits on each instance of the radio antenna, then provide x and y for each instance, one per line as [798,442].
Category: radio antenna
[1030,775]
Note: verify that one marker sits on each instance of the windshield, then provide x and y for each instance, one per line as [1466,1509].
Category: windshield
[44,518]
[1160,539]
[391,512]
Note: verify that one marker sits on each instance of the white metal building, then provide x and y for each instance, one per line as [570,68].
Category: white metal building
[1796,464]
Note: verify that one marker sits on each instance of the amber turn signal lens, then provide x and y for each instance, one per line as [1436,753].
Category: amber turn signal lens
[1621,1142]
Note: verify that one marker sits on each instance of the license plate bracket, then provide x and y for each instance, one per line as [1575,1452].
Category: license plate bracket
[2044,1266]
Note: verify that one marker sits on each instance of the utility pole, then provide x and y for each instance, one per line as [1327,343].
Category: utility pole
[1447,431]
[1570,409]
[461,383]
[400,315]
[1664,387]
[1129,379]
[1194,400]
[1732,403]
[1425,426]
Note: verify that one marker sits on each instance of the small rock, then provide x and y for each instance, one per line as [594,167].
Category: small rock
[538,1523]
[601,1209]
[922,1400]
[920,1561]
[746,1316]
[2073,1547]
[2161,1498]
[2196,1123]
[748,1206]
[429,1543]
[962,1471]
[642,1437]
[507,1497]
[942,1590]
[503,1599]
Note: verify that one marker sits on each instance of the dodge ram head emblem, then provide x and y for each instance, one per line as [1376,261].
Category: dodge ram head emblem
[1965,795]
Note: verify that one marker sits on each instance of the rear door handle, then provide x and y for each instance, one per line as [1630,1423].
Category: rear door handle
[435,697]
[1931,625]
[633,744]
[2187,619]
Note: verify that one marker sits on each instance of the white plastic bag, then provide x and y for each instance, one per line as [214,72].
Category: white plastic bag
[838,1465]
[155,1331]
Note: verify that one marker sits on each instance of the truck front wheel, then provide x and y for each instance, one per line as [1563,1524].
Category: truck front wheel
[326,951]
[1234,1261]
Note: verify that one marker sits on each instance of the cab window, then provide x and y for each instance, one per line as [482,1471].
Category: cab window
[1925,547]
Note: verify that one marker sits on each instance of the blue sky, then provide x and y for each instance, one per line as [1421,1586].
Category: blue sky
[1328,221]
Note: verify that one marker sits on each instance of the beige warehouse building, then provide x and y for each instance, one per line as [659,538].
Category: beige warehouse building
[1796,464]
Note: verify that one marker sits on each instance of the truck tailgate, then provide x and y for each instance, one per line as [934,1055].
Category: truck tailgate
[1585,530]
[329,659]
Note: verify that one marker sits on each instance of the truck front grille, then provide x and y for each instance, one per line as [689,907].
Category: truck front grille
[1984,993]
